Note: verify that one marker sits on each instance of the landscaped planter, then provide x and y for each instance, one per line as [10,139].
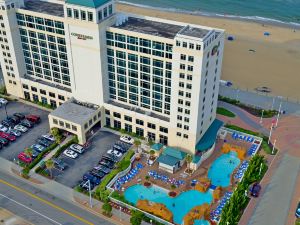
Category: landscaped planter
[147,184]
[172,194]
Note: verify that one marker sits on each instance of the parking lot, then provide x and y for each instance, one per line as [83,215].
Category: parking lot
[101,143]
[11,151]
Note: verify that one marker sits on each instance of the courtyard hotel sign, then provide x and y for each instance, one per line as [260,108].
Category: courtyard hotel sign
[82,36]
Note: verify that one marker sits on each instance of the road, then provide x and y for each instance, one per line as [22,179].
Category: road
[39,207]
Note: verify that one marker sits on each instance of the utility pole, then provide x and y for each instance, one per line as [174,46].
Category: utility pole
[278,114]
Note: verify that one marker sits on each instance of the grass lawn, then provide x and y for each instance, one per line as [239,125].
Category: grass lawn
[297,222]
[225,112]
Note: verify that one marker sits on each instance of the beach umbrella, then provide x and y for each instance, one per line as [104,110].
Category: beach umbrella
[230,38]
[267,33]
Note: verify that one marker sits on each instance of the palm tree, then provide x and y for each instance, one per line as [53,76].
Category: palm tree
[137,143]
[152,153]
[28,152]
[188,159]
[49,165]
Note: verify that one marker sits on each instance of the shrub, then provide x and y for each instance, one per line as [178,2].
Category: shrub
[107,208]
[225,112]
[136,217]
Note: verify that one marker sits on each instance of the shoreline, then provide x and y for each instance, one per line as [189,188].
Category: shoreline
[251,19]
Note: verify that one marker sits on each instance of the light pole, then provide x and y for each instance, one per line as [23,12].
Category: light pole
[151,222]
[260,168]
[120,213]
[227,223]
[278,114]
[273,147]
[273,103]
[270,134]
[237,94]
[262,114]
[88,184]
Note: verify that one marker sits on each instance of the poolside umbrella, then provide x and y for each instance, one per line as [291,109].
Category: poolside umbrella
[230,38]
[267,33]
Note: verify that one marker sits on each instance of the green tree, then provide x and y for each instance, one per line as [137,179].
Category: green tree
[137,144]
[28,152]
[152,153]
[49,165]
[107,209]
[188,159]
[147,177]
[57,135]
[136,217]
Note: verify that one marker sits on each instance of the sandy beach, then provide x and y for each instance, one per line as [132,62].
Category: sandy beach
[274,64]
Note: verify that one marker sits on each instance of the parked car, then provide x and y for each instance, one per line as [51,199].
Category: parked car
[33,118]
[77,148]
[34,154]
[3,128]
[84,185]
[119,148]
[21,128]
[255,189]
[49,137]
[19,115]
[93,179]
[97,173]
[15,132]
[13,119]
[1,146]
[3,101]
[127,139]
[70,153]
[59,164]
[298,211]
[7,136]
[102,168]
[117,153]
[107,163]
[111,158]
[38,147]
[7,123]
[4,141]
[24,158]
[43,141]
[26,123]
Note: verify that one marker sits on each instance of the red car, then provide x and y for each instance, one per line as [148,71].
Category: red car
[33,118]
[24,158]
[7,136]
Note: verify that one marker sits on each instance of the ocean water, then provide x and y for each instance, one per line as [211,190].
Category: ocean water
[277,11]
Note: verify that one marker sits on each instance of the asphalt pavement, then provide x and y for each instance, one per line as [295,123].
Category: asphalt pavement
[39,207]
[101,143]
[27,139]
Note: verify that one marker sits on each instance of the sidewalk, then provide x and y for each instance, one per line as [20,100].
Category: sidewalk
[49,156]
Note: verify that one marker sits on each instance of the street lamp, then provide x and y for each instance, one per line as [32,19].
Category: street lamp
[273,103]
[151,222]
[237,94]
[273,147]
[120,213]
[260,168]
[88,184]
[270,134]
[279,111]
[262,114]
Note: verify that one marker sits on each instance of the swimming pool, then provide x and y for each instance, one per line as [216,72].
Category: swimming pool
[221,169]
[179,205]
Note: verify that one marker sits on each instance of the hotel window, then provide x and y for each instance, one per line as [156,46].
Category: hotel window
[74,128]
[187,111]
[139,122]
[190,68]
[198,47]
[128,118]
[181,75]
[189,77]
[181,84]
[34,89]
[191,46]
[140,131]
[177,43]
[183,57]
[179,125]
[110,9]
[185,136]
[105,12]
[180,110]
[76,14]
[25,86]
[43,92]
[191,58]
[55,121]
[69,12]
[90,16]
[178,134]
[100,17]
[186,127]
[182,66]
[189,86]
[83,15]
[187,103]
[186,119]
[128,128]
[60,97]
[179,117]
[180,93]
[151,125]
[184,44]
[180,101]
[163,129]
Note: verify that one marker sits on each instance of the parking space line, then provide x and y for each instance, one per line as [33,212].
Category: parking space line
[46,202]
[30,209]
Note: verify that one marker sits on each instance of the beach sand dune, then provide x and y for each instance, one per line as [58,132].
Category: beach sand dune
[274,64]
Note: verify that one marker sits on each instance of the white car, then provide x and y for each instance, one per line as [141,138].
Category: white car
[21,128]
[3,101]
[49,137]
[117,153]
[70,153]
[114,152]
[77,148]
[3,128]
[127,139]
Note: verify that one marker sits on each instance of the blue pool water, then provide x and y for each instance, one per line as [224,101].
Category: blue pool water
[179,205]
[221,169]
[201,222]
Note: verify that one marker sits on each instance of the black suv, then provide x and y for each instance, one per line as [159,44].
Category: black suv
[20,116]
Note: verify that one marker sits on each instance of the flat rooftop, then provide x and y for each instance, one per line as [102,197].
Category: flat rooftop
[49,8]
[75,111]
[194,32]
[150,27]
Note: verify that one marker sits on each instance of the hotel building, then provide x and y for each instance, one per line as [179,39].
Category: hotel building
[154,77]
